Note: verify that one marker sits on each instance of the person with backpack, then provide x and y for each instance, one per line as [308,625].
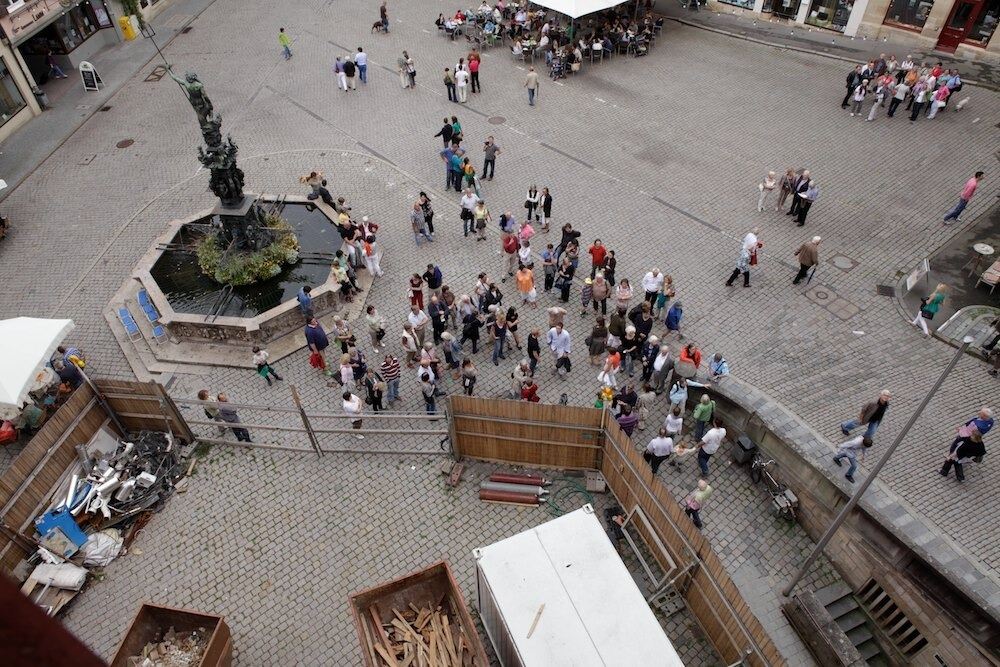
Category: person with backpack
[852,450]
[350,71]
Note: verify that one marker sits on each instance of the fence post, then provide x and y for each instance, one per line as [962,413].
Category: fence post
[456,449]
[305,421]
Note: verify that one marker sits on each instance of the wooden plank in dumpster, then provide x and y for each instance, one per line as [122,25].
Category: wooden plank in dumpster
[153,620]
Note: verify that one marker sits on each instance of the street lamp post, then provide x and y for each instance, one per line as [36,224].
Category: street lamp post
[828,535]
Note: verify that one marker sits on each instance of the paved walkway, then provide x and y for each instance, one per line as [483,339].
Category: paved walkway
[643,153]
[784,34]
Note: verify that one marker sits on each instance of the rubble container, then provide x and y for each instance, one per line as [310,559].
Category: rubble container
[743,449]
[425,587]
[153,620]
[559,595]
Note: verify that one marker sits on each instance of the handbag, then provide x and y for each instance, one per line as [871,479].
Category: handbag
[926,314]
[316,361]
[527,204]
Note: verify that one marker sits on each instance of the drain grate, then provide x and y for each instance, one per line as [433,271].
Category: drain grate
[885,290]
[158,73]
[125,143]
[496,120]
[187,30]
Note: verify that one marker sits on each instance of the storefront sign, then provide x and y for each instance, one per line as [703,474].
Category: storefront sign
[91,79]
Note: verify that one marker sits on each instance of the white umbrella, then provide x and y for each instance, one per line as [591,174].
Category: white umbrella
[26,344]
[577,8]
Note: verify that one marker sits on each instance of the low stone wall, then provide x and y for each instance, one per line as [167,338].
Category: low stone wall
[882,539]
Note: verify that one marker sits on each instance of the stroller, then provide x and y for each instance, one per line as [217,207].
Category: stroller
[557,70]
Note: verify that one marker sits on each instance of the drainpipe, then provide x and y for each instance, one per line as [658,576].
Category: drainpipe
[828,535]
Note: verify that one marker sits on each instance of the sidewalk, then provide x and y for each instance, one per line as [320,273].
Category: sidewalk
[761,28]
[71,106]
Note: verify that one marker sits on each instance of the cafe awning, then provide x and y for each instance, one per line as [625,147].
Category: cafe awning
[577,8]
[26,343]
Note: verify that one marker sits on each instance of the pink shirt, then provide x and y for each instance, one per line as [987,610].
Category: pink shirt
[970,188]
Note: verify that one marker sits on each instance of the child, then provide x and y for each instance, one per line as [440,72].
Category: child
[852,450]
[264,369]
[586,293]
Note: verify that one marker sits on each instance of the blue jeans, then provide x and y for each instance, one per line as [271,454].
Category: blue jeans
[703,461]
[287,52]
[628,364]
[385,25]
[498,349]
[699,429]
[853,424]
[422,232]
[392,390]
[363,73]
[531,96]
[957,211]
[429,404]
[850,457]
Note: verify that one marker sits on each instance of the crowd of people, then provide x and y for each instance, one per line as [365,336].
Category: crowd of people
[924,88]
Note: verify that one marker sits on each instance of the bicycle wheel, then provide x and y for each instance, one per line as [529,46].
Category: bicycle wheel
[756,469]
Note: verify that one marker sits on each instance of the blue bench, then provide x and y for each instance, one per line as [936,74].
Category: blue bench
[159,334]
[148,309]
[128,323]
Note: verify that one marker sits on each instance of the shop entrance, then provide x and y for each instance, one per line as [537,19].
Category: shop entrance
[963,16]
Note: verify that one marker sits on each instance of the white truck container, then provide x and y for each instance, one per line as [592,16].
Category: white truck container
[559,594]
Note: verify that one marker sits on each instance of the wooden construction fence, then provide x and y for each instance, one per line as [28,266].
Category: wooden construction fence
[576,437]
[45,462]
[533,434]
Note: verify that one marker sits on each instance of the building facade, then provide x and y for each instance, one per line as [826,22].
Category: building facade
[967,28]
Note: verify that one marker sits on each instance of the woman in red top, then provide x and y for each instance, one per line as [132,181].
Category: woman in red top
[417,291]
[691,354]
[597,255]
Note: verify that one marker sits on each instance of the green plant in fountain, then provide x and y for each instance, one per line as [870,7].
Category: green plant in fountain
[245,268]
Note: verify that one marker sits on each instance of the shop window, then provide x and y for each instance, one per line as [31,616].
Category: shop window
[745,4]
[788,9]
[909,13]
[11,100]
[984,26]
[832,14]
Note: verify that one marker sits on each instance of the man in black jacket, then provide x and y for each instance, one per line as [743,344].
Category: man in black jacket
[446,133]
[350,71]
[853,79]
[800,185]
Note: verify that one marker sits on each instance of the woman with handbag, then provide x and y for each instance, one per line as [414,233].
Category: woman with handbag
[929,306]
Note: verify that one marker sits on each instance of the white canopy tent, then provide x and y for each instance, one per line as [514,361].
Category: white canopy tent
[26,344]
[577,8]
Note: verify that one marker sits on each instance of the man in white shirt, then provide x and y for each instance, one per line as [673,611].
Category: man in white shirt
[662,365]
[352,406]
[658,450]
[361,60]
[652,282]
[469,201]
[462,84]
[559,342]
[709,445]
[418,319]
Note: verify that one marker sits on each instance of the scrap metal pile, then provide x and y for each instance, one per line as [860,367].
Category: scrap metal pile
[174,649]
[112,492]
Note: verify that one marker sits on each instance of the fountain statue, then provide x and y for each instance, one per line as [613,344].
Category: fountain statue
[244,230]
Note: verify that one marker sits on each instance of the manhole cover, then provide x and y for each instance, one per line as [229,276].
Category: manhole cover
[885,290]
[125,143]
[497,120]
[843,262]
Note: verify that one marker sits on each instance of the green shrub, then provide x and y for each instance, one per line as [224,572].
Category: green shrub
[245,268]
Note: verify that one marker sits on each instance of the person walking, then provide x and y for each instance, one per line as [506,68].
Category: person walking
[264,368]
[742,266]
[918,98]
[338,70]
[852,450]
[481,216]
[227,413]
[390,372]
[531,83]
[361,60]
[695,502]
[462,84]
[353,406]
[467,211]
[286,43]
[652,283]
[766,187]
[674,316]
[490,162]
[938,100]
[350,71]
[964,449]
[658,450]
[899,93]
[968,190]
[807,199]
[427,390]
[871,414]
[929,306]
[383,14]
[799,185]
[703,414]
[317,341]
[449,84]
[709,445]
[402,68]
[419,224]
[808,255]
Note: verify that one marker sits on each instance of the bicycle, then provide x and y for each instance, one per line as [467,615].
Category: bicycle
[783,501]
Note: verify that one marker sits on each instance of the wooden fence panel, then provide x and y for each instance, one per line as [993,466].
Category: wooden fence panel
[145,406]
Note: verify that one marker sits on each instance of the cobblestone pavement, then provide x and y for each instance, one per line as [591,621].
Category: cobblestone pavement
[659,156]
[287,538]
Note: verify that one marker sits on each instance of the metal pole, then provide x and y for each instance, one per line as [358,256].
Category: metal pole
[828,535]
[147,31]
[104,404]
[305,421]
